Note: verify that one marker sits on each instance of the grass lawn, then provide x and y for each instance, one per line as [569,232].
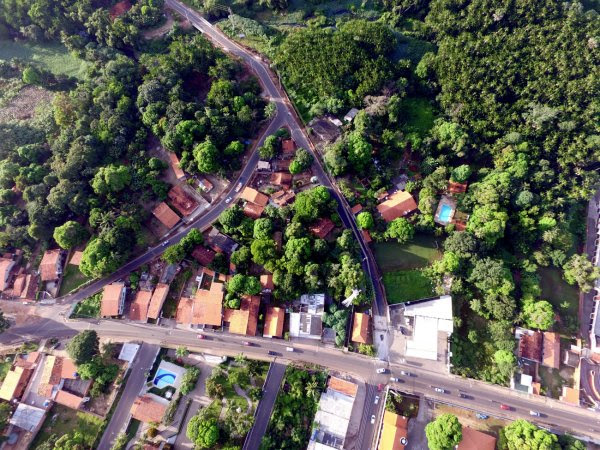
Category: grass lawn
[563,296]
[72,279]
[4,368]
[417,115]
[62,420]
[420,252]
[406,285]
[50,56]
[89,307]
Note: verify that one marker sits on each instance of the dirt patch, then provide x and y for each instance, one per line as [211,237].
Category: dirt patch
[163,29]
[468,419]
[24,104]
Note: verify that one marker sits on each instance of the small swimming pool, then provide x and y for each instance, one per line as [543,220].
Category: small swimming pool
[164,378]
[445,213]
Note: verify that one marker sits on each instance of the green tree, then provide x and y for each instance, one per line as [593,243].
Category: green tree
[263,251]
[365,220]
[263,228]
[400,229]
[4,323]
[70,234]
[112,178]
[302,161]
[444,433]
[204,433]
[83,346]
[310,204]
[359,151]
[181,352]
[31,76]
[538,314]
[506,362]
[174,254]
[521,434]
[580,270]
[490,276]
[461,173]
[206,157]
[120,442]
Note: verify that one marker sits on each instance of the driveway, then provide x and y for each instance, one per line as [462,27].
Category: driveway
[265,406]
[137,378]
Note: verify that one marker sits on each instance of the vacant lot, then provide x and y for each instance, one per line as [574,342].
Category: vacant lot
[467,418]
[418,253]
[50,56]
[406,285]
[62,420]
[72,279]
[563,296]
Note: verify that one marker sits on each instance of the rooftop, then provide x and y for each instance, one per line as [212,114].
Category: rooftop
[112,300]
[49,266]
[394,432]
[203,255]
[253,210]
[530,344]
[288,146]
[551,350]
[165,215]
[76,257]
[360,328]
[69,400]
[252,195]
[476,440]
[208,305]
[174,162]
[281,179]
[285,198]
[244,320]
[184,313]
[398,204]
[139,307]
[182,201]
[274,322]
[457,188]
[14,383]
[342,386]
[570,395]
[322,227]
[149,408]
[266,281]
[158,299]
[27,417]
[356,209]
[6,265]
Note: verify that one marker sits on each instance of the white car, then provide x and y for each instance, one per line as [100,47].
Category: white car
[405,373]
[376,399]
[372,419]
[534,413]
[381,370]
[227,200]
[289,349]
[394,380]
[238,187]
[439,390]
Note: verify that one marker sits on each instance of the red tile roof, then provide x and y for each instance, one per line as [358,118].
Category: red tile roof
[165,215]
[139,307]
[69,400]
[76,258]
[476,440]
[174,160]
[266,281]
[342,386]
[203,255]
[182,201]
[398,204]
[457,188]
[530,346]
[111,300]
[551,350]
[252,195]
[49,265]
[360,328]
[184,314]
[147,409]
[322,227]
[244,320]
[356,209]
[253,211]
[158,299]
[274,322]
[281,179]
[208,305]
[366,236]
[6,266]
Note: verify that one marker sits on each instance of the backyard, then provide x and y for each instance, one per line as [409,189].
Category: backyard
[402,404]
[401,264]
[62,420]
[53,57]
[88,307]
[563,296]
[72,279]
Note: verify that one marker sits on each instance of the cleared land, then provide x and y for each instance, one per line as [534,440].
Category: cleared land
[406,285]
[62,420]
[72,279]
[418,253]
[50,56]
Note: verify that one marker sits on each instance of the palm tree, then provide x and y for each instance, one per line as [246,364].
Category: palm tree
[311,388]
[241,359]
[181,352]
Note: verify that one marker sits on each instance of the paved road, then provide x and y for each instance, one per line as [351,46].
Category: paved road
[265,407]
[137,378]
[557,416]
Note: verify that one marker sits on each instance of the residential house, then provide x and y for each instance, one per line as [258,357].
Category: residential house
[356,209]
[244,320]
[113,300]
[175,166]
[208,306]
[165,215]
[30,289]
[266,282]
[69,399]
[394,432]
[14,383]
[181,200]
[282,198]
[274,320]
[399,204]
[281,165]
[76,257]
[253,210]
[570,395]
[157,300]
[253,196]
[6,268]
[185,311]
[288,147]
[322,227]
[457,188]
[283,179]
[205,185]
[473,439]
[139,307]
[219,242]
[55,371]
[360,328]
[28,418]
[203,255]
[530,344]
[307,322]
[51,265]
[149,408]
[263,166]
[366,236]
[551,350]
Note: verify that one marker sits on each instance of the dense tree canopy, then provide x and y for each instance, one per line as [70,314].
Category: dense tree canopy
[444,433]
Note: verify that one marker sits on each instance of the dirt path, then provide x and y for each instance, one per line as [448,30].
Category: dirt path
[239,391]
[164,28]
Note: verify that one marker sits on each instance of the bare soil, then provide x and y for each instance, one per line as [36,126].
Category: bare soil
[24,104]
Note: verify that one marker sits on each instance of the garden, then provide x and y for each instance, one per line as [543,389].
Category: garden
[71,428]
[88,307]
[402,404]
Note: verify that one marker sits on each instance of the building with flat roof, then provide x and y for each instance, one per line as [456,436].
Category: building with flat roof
[27,417]
[307,321]
[113,300]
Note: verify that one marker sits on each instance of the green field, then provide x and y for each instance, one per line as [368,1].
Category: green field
[406,285]
[418,253]
[72,279]
[563,296]
[50,56]
[88,307]
[62,420]
[417,115]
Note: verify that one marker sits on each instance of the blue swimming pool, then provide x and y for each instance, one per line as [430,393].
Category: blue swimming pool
[445,213]
[164,378]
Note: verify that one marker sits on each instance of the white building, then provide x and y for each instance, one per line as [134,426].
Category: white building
[308,322]
[432,324]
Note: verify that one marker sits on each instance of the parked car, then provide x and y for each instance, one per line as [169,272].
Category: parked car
[372,419]
[534,413]
[201,336]
[247,344]
[394,380]
[405,373]
[164,244]
[238,187]
[381,370]
[271,352]
[505,407]
[227,200]
[482,416]
[439,390]
[376,399]
[289,349]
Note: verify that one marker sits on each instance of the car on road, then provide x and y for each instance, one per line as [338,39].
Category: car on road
[376,399]
[465,395]
[482,416]
[272,353]
[439,390]
[405,373]
[381,370]
[227,200]
[534,414]
[164,244]
[201,336]
[289,349]
[238,187]
[394,380]
[505,407]
[372,419]
[247,344]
